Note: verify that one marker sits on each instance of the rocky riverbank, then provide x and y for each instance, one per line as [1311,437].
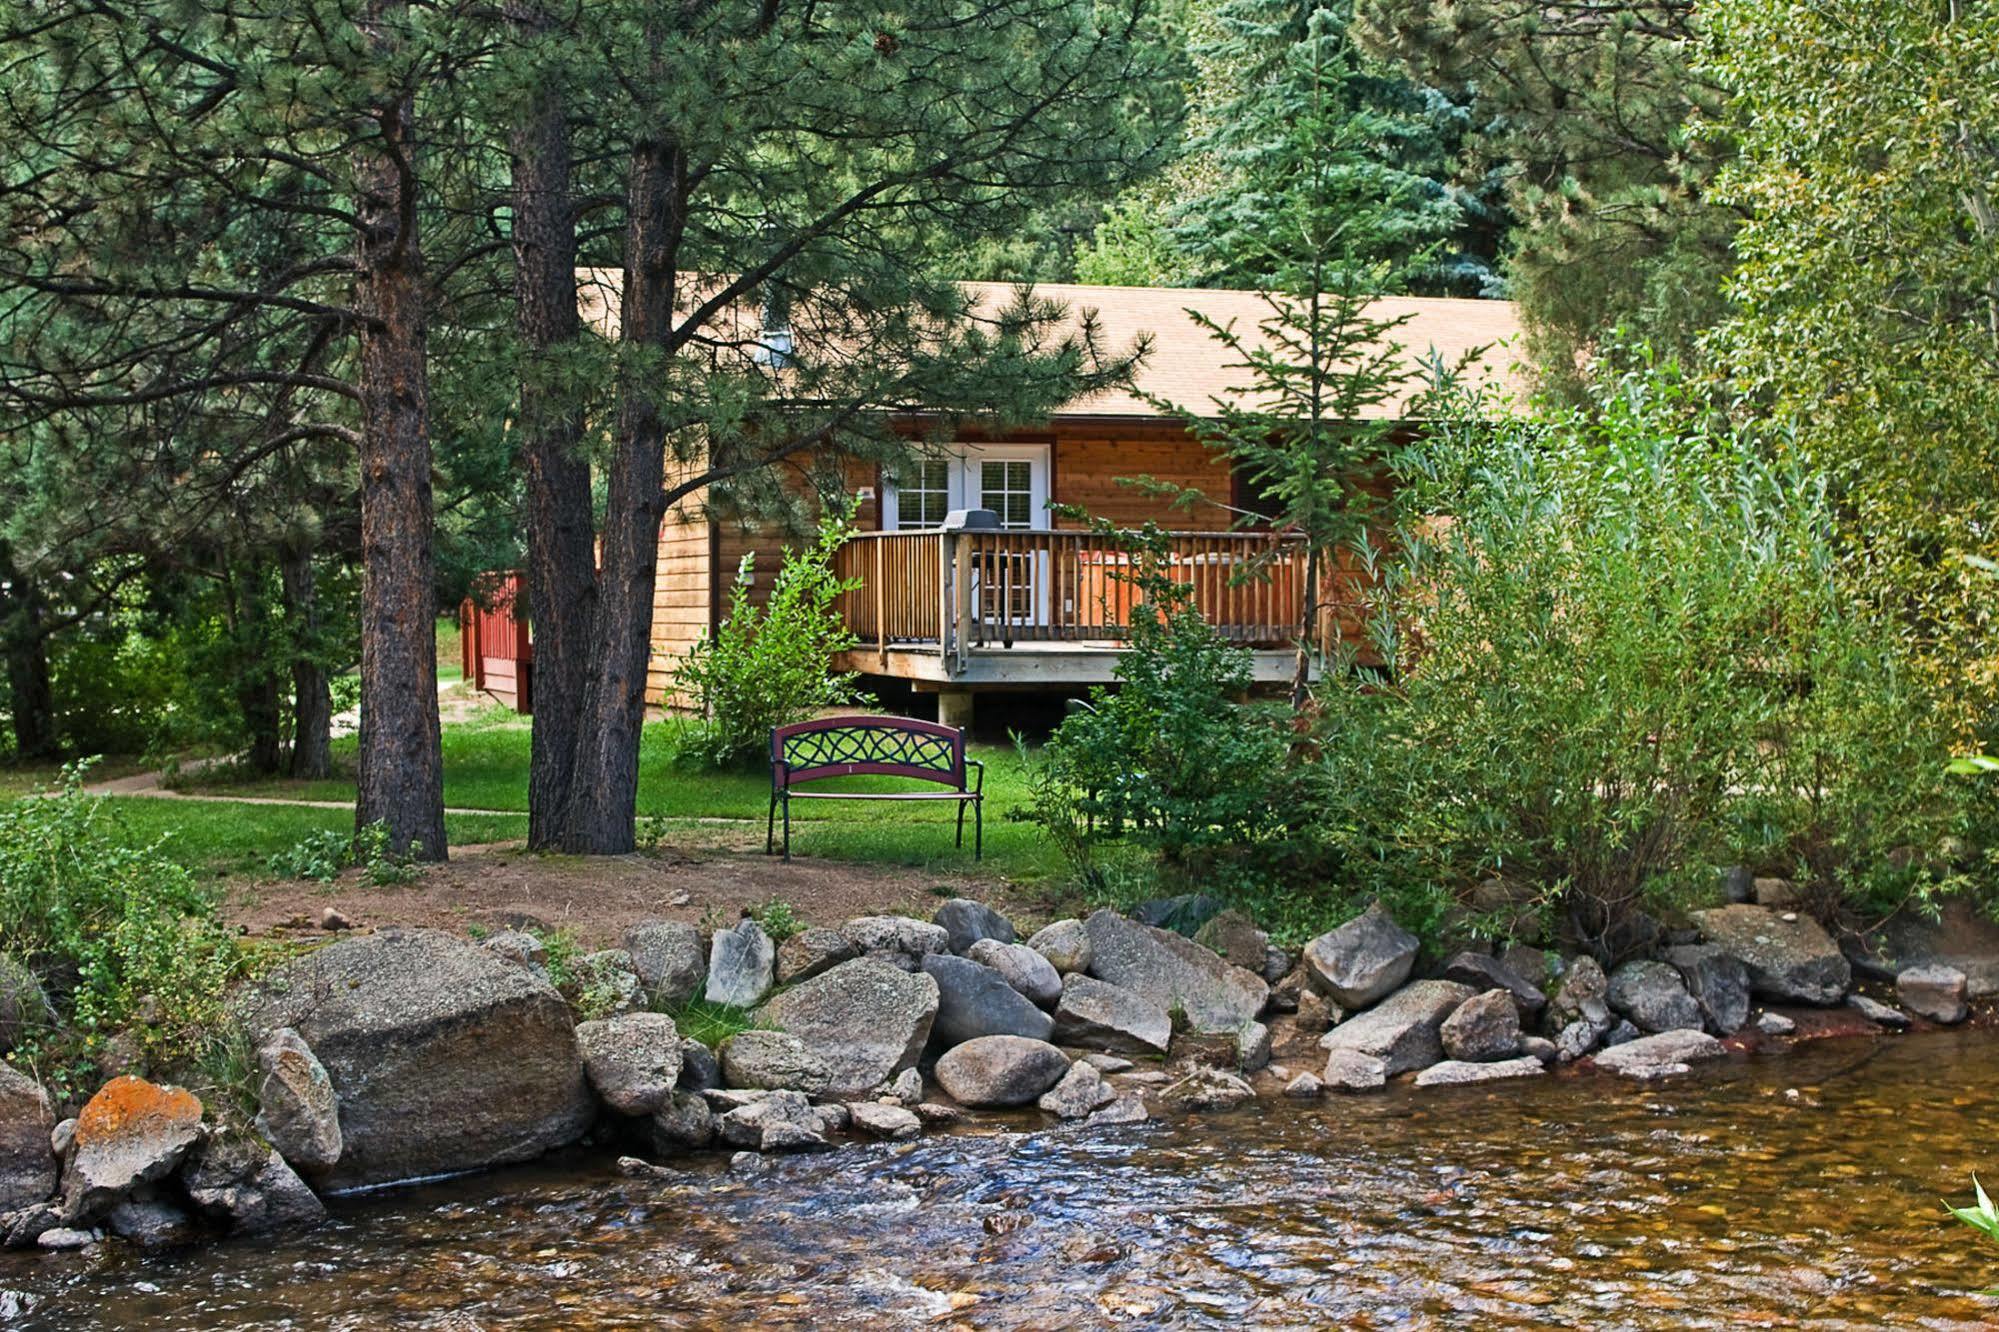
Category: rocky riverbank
[413,1053]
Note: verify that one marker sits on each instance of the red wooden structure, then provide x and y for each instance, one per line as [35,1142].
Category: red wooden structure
[495,648]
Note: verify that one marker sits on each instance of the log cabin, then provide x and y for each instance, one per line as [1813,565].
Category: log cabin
[1033,600]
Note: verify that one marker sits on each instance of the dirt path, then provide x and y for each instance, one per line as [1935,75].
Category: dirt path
[496,887]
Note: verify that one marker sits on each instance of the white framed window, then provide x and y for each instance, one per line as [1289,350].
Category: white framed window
[1006,486]
[924,496]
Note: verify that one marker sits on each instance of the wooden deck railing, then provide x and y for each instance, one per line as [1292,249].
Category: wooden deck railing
[952,592]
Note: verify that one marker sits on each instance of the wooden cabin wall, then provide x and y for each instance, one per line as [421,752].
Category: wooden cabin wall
[1088,460]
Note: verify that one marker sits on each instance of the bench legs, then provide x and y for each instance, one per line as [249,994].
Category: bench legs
[978,804]
[770,826]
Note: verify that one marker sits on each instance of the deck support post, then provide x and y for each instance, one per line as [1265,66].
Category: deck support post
[954,708]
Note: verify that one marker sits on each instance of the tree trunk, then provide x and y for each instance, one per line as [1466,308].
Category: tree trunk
[1301,671]
[401,768]
[257,672]
[561,574]
[30,697]
[604,790]
[312,694]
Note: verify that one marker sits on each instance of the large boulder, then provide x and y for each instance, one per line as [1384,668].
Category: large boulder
[1719,983]
[297,1109]
[1175,973]
[867,1019]
[1489,973]
[443,1056]
[773,1061]
[811,951]
[1066,945]
[632,1060]
[965,922]
[24,1008]
[1789,956]
[1362,960]
[1000,1070]
[1403,1031]
[975,1000]
[1024,969]
[1483,1028]
[1099,1016]
[1653,996]
[247,1185]
[669,960]
[1667,1053]
[131,1133]
[898,940]
[742,965]
[1934,991]
[27,1165]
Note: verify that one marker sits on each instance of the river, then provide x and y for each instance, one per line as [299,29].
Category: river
[1802,1191]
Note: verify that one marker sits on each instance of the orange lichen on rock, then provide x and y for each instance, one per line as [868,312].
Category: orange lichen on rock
[127,1106]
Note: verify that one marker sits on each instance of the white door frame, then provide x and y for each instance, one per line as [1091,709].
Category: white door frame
[964,479]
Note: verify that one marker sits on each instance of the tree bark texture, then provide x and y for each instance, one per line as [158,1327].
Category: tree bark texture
[561,574]
[401,769]
[604,785]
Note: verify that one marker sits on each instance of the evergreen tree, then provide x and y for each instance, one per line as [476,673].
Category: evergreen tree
[1583,113]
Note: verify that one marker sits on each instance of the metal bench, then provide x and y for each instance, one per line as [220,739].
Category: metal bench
[879,747]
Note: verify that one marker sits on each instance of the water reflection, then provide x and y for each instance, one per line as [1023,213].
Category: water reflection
[1789,1192]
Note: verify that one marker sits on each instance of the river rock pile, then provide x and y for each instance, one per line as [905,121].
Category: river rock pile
[413,1053]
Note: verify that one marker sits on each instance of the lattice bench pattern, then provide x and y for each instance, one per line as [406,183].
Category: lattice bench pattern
[877,747]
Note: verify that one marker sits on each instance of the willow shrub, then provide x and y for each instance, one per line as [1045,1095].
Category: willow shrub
[1622,658]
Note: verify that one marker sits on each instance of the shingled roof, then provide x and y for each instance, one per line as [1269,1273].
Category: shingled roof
[1185,365]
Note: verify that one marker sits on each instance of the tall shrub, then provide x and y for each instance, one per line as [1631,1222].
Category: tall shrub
[771,665]
[1625,658]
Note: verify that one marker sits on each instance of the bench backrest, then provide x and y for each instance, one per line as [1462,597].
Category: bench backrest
[880,746]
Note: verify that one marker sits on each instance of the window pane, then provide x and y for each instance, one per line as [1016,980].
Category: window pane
[925,496]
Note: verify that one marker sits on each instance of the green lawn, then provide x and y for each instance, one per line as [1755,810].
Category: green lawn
[241,839]
[486,762]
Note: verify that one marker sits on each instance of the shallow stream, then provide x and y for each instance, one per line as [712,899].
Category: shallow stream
[1803,1191]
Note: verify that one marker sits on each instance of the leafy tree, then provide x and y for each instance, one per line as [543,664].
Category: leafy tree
[1582,112]
[1865,310]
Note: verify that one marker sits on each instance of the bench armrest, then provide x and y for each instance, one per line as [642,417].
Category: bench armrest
[980,788]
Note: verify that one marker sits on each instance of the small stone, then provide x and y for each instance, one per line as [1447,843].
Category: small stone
[937,1114]
[669,960]
[811,951]
[1654,997]
[773,1060]
[1352,1071]
[1775,1024]
[993,1071]
[742,964]
[67,1237]
[699,1069]
[1539,1047]
[1363,960]
[1234,938]
[906,1087]
[1459,1073]
[1876,1011]
[1252,1047]
[777,1121]
[1081,1091]
[1935,992]
[1316,1013]
[748,1163]
[965,922]
[885,1121]
[1124,1110]
[1665,1054]
[1624,1032]
[62,1136]
[330,919]
[611,984]
[518,947]
[632,1060]
[1097,1014]
[131,1132]
[1206,1089]
[1021,967]
[1576,1040]
[1106,1063]
[684,1123]
[1066,945]
[1484,1027]
[1304,1087]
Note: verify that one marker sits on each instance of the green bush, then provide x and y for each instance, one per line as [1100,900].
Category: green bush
[122,935]
[772,665]
[1627,658]
[1176,758]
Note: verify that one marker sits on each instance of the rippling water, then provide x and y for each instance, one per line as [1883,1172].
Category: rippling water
[1798,1191]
